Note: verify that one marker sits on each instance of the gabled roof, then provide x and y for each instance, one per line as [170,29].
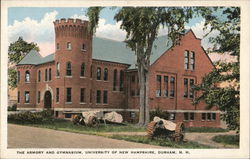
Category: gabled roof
[108,50]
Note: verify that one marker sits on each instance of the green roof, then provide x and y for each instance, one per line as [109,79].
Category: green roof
[107,50]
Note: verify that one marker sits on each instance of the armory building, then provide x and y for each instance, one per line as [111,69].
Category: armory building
[91,73]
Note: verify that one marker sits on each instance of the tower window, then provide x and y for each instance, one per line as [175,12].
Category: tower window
[57,46]
[82,70]
[115,80]
[105,76]
[39,76]
[68,69]
[58,69]
[26,97]
[68,98]
[83,47]
[27,76]
[98,73]
[98,96]
[49,74]
[46,75]
[121,80]
[69,47]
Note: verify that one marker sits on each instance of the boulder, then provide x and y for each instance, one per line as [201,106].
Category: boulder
[169,125]
[113,117]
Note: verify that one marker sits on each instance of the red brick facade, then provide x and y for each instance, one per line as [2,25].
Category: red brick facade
[94,84]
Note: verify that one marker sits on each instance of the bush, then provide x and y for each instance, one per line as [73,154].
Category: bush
[32,118]
[12,108]
[158,112]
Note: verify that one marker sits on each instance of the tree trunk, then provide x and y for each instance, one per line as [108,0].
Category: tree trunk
[142,95]
[147,115]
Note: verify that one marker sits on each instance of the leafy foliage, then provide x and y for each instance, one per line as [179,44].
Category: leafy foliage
[158,112]
[32,118]
[17,50]
[227,98]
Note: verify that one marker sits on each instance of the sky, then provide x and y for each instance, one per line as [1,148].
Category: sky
[36,25]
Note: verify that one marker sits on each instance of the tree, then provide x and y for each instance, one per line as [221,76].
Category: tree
[17,50]
[226,98]
[142,26]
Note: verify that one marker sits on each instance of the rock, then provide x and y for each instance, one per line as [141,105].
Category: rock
[113,117]
[169,125]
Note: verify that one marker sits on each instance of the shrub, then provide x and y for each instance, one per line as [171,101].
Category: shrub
[12,108]
[158,112]
[32,118]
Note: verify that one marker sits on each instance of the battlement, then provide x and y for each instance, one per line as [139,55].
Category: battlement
[70,21]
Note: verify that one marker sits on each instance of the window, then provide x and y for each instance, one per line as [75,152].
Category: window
[213,116]
[57,46]
[98,73]
[172,116]
[91,71]
[27,76]
[58,69]
[82,95]
[67,115]
[18,76]
[105,75]
[132,115]
[49,74]
[57,95]
[165,91]
[208,116]
[68,69]
[132,93]
[172,86]
[69,47]
[46,75]
[203,116]
[18,97]
[39,76]
[185,88]
[98,96]
[83,47]
[90,95]
[115,80]
[186,116]
[186,60]
[68,98]
[105,97]
[158,85]
[191,116]
[82,70]
[26,97]
[191,92]
[192,61]
[38,97]
[133,78]
[121,80]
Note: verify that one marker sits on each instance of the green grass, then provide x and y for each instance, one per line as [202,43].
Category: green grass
[65,125]
[205,130]
[227,139]
[160,142]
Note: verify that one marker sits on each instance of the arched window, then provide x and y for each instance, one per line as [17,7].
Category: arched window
[121,80]
[27,76]
[39,76]
[115,80]
[57,46]
[49,74]
[46,75]
[82,70]
[105,74]
[58,69]
[83,47]
[18,76]
[98,73]
[68,69]
[69,47]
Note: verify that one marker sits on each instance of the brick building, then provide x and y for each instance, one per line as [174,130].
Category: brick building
[91,73]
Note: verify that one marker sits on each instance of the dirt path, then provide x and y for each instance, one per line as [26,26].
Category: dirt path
[31,137]
[201,138]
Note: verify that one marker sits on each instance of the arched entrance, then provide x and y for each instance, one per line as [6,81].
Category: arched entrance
[47,99]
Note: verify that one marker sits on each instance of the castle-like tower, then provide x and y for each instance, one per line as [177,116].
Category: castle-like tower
[73,59]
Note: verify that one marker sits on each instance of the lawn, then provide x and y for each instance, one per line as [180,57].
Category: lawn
[205,130]
[227,139]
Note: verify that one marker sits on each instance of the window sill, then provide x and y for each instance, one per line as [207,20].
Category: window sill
[68,102]
[83,50]
[98,80]
[82,103]
[68,76]
[26,103]
[27,82]
[57,77]
[105,104]
[105,81]
[57,102]
[82,77]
